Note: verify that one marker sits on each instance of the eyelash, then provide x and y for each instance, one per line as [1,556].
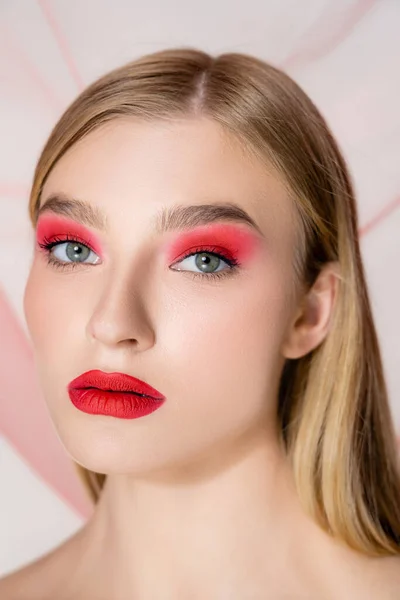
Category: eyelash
[47,245]
[233,263]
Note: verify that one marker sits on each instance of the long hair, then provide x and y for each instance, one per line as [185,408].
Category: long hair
[333,406]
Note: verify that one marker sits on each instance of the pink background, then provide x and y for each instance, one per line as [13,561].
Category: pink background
[345,54]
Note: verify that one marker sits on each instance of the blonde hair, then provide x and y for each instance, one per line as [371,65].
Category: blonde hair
[333,404]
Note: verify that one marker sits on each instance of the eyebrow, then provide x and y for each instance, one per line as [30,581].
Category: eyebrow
[179,217]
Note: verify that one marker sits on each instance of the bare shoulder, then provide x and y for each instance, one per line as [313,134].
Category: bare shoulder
[25,583]
[381,578]
[39,579]
[390,575]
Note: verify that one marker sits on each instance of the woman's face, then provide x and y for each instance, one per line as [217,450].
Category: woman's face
[125,296]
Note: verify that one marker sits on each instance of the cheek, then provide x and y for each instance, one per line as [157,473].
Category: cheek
[226,347]
[35,305]
[47,308]
[233,320]
[220,355]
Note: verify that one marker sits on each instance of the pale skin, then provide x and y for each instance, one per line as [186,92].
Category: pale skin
[200,500]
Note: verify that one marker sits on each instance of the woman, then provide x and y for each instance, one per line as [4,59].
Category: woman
[203,334]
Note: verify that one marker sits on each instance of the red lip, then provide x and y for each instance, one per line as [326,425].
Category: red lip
[114,394]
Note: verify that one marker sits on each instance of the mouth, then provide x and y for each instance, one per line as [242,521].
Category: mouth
[114,394]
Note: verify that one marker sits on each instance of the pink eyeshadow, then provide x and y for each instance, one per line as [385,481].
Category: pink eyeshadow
[238,241]
[51,226]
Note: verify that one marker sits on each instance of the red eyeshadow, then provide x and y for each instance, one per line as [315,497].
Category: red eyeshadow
[51,226]
[238,241]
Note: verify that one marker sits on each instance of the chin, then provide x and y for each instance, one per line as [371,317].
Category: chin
[110,453]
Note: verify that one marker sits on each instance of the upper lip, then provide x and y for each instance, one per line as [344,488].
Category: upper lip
[115,382]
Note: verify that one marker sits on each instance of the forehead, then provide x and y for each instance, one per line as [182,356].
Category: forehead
[130,169]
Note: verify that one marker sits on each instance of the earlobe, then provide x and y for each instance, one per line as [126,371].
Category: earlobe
[313,318]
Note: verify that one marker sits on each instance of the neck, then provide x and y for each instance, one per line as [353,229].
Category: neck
[223,528]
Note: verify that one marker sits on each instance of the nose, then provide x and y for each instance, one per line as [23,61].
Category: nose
[121,315]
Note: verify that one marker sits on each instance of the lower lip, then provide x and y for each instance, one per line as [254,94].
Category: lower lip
[123,405]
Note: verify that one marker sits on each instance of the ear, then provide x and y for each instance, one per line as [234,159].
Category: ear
[311,322]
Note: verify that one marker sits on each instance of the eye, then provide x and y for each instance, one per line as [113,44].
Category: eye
[206,262]
[73,252]
[68,252]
